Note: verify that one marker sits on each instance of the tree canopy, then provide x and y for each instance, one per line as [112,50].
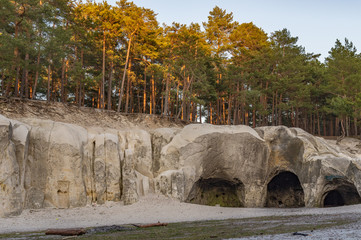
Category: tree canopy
[221,71]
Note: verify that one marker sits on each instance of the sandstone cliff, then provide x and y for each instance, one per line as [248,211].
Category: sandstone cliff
[47,163]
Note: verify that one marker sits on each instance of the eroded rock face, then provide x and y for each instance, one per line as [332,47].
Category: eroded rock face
[51,164]
[10,188]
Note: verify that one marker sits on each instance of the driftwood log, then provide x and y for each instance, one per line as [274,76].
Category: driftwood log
[300,234]
[66,232]
[151,225]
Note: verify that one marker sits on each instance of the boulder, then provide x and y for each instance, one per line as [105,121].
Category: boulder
[233,158]
[55,163]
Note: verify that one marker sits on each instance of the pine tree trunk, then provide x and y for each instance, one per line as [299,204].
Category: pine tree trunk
[210,114]
[145,90]
[347,129]
[293,120]
[254,118]
[53,88]
[218,111]
[131,96]
[77,100]
[162,100]
[62,81]
[273,110]
[266,119]
[183,109]
[139,98]
[3,83]
[110,86]
[339,139]
[236,107]
[246,118]
[337,129]
[189,101]
[128,88]
[280,111]
[170,104]
[98,101]
[177,101]
[200,113]
[36,73]
[172,107]
[235,113]
[223,111]
[124,73]
[17,76]
[331,127]
[102,93]
[16,57]
[195,108]
[188,111]
[49,79]
[66,81]
[27,76]
[152,107]
[8,88]
[318,123]
[229,109]
[355,126]
[79,81]
[22,82]
[165,112]
[80,95]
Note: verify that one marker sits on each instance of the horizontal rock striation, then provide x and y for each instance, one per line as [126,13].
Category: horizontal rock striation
[44,163]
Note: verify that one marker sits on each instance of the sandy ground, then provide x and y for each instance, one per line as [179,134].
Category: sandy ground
[152,209]
[84,116]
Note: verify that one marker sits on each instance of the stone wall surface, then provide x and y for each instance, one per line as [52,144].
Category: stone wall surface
[53,164]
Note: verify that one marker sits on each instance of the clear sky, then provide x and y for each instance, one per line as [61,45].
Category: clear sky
[317,23]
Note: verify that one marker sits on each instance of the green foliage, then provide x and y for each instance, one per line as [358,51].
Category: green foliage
[230,72]
[339,106]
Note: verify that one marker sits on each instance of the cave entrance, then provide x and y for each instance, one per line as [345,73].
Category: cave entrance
[215,191]
[285,190]
[333,199]
[344,194]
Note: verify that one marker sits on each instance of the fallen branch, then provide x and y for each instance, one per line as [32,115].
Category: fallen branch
[66,232]
[151,225]
[300,234]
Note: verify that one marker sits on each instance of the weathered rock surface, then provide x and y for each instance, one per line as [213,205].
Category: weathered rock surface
[10,189]
[44,163]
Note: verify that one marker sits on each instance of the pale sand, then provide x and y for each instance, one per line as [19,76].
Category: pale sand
[150,209]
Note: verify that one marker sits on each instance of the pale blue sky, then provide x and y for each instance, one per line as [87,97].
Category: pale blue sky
[317,23]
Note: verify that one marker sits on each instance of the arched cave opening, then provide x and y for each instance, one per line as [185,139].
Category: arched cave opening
[333,199]
[344,194]
[285,190]
[216,191]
